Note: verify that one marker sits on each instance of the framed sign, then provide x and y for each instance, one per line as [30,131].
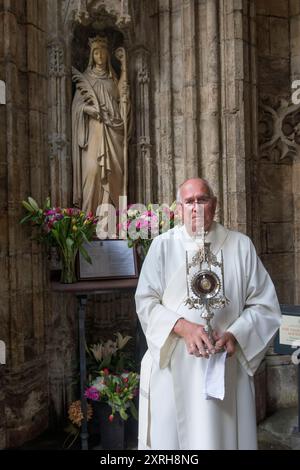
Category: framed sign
[287,338]
[111,259]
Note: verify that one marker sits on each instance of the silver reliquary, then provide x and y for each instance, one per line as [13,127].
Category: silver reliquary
[205,283]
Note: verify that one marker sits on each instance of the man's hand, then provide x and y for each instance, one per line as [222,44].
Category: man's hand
[196,339]
[227,341]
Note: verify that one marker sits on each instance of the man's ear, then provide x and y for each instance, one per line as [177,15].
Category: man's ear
[179,211]
[215,203]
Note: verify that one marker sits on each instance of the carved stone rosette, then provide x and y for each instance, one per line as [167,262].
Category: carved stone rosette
[279,130]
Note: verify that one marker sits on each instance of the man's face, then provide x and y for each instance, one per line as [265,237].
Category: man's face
[195,195]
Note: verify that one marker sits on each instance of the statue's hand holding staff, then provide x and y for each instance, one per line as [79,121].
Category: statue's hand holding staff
[92,111]
[124,90]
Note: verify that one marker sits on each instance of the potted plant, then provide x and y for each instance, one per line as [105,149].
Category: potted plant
[112,388]
[64,228]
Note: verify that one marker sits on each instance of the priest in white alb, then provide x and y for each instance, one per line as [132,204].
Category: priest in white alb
[195,394]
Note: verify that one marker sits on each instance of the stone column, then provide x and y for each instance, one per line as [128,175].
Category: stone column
[59,89]
[165,155]
[234,21]
[23,172]
[142,113]
[62,320]
[189,95]
[210,93]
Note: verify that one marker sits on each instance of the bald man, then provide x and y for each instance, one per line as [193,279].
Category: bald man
[175,413]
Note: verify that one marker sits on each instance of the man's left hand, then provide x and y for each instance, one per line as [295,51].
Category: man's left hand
[227,341]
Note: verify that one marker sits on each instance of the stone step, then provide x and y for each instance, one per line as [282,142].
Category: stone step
[277,432]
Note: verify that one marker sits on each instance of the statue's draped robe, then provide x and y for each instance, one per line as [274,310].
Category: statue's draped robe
[98,147]
[174,413]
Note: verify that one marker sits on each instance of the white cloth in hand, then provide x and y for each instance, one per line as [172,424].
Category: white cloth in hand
[214,378]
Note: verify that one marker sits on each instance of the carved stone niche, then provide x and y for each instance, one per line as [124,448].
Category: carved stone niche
[279,130]
[100,14]
[88,18]
[80,45]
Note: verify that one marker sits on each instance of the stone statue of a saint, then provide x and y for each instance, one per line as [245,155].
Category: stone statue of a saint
[100,129]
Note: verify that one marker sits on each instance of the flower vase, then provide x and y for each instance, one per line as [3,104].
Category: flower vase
[68,275]
[142,250]
[112,433]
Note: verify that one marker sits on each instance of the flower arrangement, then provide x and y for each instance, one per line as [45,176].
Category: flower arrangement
[110,354]
[112,379]
[141,224]
[117,390]
[67,229]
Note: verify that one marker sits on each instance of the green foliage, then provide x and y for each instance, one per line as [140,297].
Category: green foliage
[67,229]
[111,376]
[111,354]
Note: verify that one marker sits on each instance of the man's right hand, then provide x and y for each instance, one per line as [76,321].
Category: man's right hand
[91,111]
[195,337]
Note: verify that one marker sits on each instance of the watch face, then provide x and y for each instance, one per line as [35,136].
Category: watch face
[205,284]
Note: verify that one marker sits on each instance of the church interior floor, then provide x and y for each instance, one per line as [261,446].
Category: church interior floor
[276,432]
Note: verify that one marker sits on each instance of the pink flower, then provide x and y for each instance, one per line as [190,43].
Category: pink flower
[92,394]
[111,418]
[144,223]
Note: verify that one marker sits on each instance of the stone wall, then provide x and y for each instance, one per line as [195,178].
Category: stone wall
[206,77]
[23,172]
[278,65]
[210,82]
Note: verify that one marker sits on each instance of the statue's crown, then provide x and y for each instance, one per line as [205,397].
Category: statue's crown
[98,41]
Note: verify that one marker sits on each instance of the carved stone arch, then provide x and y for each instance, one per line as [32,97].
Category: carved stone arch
[101,14]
